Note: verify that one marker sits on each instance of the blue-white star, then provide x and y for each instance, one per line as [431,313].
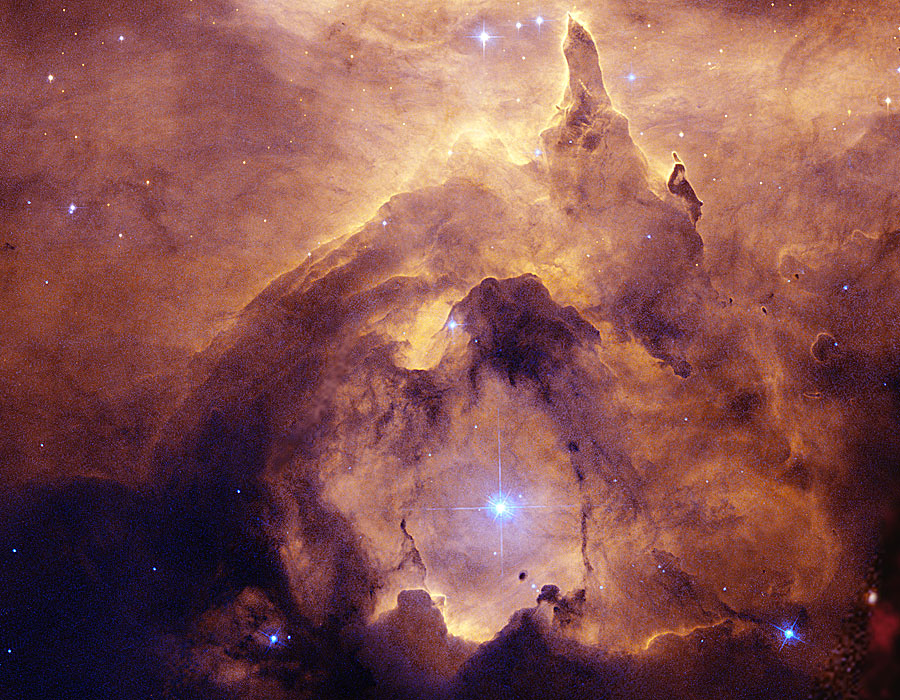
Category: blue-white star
[500,506]
[274,637]
[788,634]
[484,37]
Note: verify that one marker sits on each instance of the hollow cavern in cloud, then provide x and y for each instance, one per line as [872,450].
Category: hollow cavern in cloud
[415,350]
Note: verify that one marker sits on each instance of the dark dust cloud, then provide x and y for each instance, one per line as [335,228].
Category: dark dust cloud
[450,350]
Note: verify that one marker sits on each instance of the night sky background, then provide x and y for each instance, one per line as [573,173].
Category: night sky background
[294,294]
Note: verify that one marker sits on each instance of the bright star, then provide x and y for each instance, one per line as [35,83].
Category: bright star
[788,635]
[631,77]
[50,78]
[519,26]
[500,506]
[484,37]
[72,208]
[452,325]
[539,20]
[272,636]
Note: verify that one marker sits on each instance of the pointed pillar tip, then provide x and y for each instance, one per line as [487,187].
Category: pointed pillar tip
[576,31]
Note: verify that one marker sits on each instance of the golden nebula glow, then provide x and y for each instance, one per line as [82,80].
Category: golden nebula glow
[476,349]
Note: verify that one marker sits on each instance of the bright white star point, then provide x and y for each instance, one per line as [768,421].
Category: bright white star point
[500,506]
[484,36]
[788,635]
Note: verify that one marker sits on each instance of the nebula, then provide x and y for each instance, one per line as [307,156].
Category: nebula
[419,351]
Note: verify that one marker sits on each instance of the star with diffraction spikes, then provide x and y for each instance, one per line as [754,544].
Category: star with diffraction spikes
[484,37]
[788,634]
[500,505]
[273,637]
